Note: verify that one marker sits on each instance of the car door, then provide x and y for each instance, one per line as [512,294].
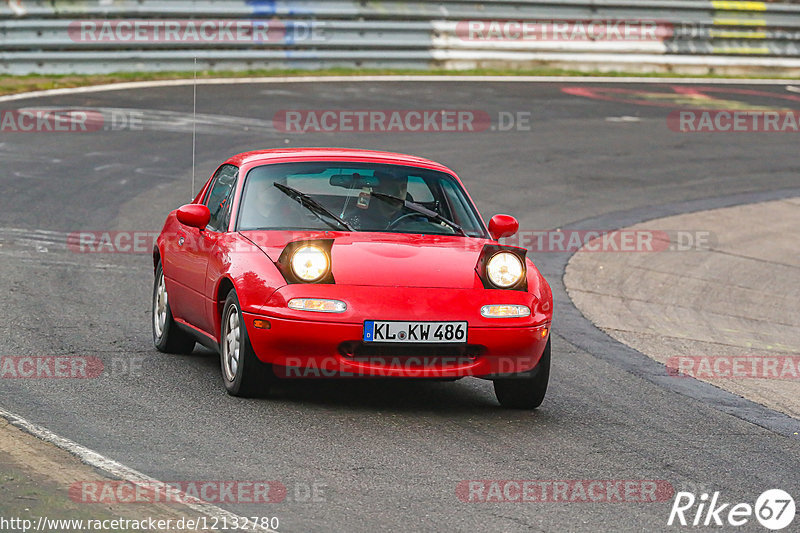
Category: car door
[194,247]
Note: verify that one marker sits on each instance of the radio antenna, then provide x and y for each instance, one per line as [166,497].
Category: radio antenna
[194,123]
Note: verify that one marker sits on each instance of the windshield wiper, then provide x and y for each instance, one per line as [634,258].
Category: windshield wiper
[312,205]
[421,209]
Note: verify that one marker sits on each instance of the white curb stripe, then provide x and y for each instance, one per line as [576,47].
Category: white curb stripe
[116,469]
[367,79]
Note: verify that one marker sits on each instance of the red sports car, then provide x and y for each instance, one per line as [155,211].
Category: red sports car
[331,262]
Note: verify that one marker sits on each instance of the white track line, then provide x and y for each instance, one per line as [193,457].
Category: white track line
[116,469]
[422,78]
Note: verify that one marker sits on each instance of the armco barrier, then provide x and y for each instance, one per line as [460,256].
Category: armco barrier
[95,36]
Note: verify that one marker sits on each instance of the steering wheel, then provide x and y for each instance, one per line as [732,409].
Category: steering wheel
[399,219]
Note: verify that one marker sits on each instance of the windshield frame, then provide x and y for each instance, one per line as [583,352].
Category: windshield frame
[482,233]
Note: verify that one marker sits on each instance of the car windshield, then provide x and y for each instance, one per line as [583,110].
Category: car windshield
[339,195]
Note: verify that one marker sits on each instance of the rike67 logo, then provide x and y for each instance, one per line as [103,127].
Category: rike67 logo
[774,509]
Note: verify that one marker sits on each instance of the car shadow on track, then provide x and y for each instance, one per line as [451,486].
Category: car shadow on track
[371,394]
[467,395]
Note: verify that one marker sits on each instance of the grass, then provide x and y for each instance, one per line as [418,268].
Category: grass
[28,497]
[36,82]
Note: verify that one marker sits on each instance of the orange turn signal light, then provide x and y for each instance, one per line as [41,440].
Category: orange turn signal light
[261,324]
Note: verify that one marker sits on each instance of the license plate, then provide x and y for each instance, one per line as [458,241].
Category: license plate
[422,332]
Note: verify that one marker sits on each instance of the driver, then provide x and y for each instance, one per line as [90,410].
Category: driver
[393,186]
[380,214]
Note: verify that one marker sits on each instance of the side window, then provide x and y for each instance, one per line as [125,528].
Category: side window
[460,210]
[220,197]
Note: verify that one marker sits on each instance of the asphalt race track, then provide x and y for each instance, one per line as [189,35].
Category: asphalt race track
[389,455]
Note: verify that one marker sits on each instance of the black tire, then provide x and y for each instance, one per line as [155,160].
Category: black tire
[248,376]
[170,338]
[525,390]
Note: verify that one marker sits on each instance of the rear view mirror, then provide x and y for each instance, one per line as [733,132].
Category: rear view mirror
[194,215]
[503,226]
[353,181]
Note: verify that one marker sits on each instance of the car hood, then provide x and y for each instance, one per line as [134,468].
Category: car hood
[389,259]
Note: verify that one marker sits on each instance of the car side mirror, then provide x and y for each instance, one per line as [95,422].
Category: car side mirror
[503,226]
[194,215]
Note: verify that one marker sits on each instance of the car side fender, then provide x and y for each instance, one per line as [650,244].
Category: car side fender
[236,263]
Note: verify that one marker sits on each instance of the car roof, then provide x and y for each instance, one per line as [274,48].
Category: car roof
[333,154]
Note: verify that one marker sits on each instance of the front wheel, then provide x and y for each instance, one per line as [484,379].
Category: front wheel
[242,372]
[525,390]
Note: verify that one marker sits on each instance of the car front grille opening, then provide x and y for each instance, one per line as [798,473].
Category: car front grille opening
[412,355]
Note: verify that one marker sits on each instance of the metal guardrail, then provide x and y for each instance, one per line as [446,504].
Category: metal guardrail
[45,36]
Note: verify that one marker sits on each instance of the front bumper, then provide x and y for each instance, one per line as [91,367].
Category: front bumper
[309,349]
